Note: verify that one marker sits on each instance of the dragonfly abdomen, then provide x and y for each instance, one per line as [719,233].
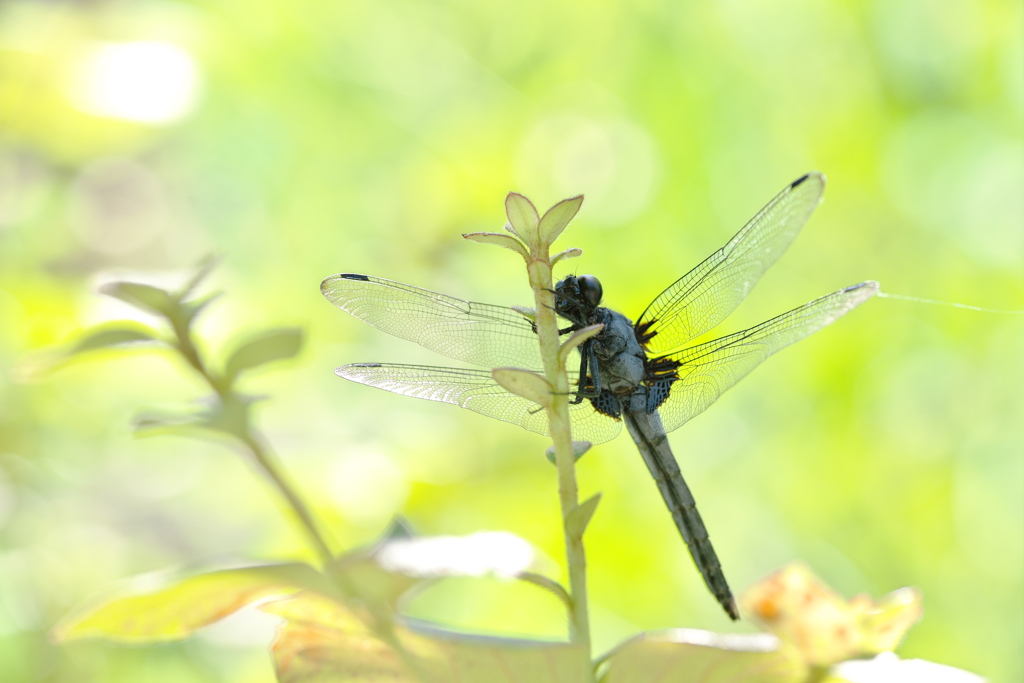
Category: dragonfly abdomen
[651,440]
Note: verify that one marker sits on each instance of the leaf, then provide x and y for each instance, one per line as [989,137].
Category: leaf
[579,518]
[528,312]
[557,217]
[266,348]
[524,383]
[323,641]
[176,610]
[523,217]
[801,610]
[499,239]
[206,266]
[114,335]
[381,574]
[568,253]
[691,656]
[230,415]
[578,449]
[577,338]
[142,296]
[886,624]
[888,667]
[153,424]
[191,310]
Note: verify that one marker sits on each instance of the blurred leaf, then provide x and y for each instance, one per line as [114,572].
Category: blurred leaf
[524,383]
[557,217]
[578,449]
[113,335]
[142,296]
[152,424]
[230,415]
[206,266]
[380,574]
[579,518]
[693,656]
[522,217]
[177,610]
[499,239]
[191,310]
[888,667]
[568,253]
[268,347]
[323,641]
[801,610]
[886,624]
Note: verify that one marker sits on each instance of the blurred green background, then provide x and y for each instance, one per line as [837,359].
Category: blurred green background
[301,139]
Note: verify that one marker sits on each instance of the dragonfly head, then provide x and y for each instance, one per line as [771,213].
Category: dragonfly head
[576,298]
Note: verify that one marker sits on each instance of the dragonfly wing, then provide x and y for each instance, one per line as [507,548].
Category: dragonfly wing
[477,391]
[705,371]
[482,334]
[702,298]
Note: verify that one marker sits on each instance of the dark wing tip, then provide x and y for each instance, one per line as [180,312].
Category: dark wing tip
[867,284]
[803,179]
[343,370]
[326,283]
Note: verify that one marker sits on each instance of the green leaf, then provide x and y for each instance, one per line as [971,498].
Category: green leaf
[268,347]
[692,656]
[578,449]
[142,296]
[557,217]
[568,253]
[524,383]
[191,310]
[580,516]
[523,217]
[499,239]
[323,641]
[528,312]
[176,610]
[115,335]
[577,338]
[206,266]
[231,416]
[152,424]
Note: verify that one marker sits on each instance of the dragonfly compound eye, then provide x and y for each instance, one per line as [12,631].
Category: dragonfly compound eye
[590,289]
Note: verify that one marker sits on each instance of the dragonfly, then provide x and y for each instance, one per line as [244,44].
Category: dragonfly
[650,375]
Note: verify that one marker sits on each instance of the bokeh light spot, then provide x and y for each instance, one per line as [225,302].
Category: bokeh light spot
[145,81]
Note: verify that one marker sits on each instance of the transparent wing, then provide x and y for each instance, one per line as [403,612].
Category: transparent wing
[702,298]
[477,391]
[482,334]
[708,369]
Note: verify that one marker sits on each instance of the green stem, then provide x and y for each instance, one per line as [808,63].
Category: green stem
[259,452]
[262,457]
[558,423]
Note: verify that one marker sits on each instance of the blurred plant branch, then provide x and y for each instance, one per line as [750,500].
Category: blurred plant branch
[229,412]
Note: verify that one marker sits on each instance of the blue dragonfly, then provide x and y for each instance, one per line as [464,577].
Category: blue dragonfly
[648,374]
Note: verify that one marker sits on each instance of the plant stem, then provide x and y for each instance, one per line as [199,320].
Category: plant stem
[265,461]
[260,453]
[558,423]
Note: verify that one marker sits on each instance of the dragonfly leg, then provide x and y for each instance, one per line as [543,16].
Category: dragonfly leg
[588,370]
